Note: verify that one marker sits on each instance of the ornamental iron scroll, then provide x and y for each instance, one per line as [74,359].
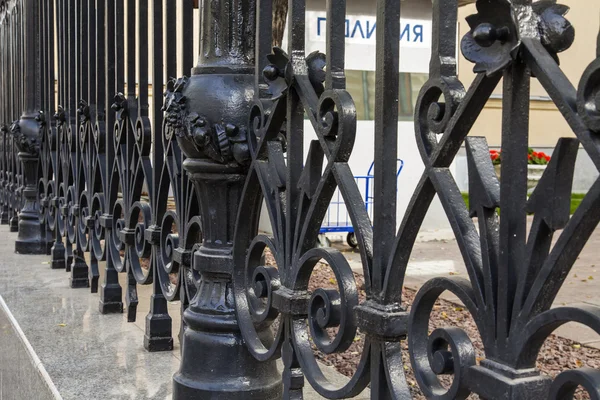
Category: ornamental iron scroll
[513,278]
[514,40]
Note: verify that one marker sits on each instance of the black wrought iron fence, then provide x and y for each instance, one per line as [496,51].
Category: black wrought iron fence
[169,190]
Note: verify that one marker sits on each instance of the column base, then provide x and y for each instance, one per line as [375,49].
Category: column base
[110,308]
[30,247]
[4,217]
[491,380]
[79,274]
[158,344]
[57,261]
[232,373]
[79,283]
[14,224]
[158,334]
[29,239]
[110,299]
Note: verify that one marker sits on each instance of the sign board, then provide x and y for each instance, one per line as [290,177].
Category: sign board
[361,32]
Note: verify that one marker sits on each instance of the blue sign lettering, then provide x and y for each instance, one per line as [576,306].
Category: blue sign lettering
[319,20]
[365,29]
[405,31]
[372,30]
[418,31]
[358,26]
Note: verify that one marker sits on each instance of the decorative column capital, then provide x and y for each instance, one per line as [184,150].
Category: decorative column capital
[27,133]
[222,141]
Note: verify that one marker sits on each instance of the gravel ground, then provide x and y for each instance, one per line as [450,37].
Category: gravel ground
[558,354]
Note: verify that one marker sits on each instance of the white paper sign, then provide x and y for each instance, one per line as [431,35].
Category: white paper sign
[361,32]
[361,29]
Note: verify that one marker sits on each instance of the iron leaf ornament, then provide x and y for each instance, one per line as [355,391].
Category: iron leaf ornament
[60,116]
[499,26]
[275,74]
[119,105]
[83,111]
[279,76]
[588,94]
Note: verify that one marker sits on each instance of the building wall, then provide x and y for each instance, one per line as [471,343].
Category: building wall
[547,124]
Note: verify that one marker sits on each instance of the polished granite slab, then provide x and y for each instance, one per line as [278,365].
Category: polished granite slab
[88,355]
[22,375]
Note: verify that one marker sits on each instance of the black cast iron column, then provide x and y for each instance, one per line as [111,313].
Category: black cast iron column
[209,113]
[27,135]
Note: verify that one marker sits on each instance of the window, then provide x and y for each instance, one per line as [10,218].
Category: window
[361,85]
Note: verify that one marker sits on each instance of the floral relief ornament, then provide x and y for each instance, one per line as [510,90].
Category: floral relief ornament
[60,116]
[25,143]
[221,142]
[119,105]
[498,27]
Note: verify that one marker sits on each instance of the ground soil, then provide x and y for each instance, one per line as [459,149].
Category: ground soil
[557,355]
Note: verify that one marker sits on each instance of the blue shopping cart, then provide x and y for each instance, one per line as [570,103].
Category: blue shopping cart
[337,219]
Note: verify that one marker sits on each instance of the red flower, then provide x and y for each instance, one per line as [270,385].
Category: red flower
[496,157]
[529,156]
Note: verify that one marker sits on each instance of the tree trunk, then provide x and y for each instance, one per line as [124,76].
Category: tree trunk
[280,10]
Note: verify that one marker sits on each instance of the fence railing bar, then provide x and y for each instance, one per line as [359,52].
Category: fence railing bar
[83,27]
[131,30]
[142,57]
[100,74]
[71,45]
[92,58]
[111,293]
[170,36]
[187,44]
[120,45]
[386,136]
[335,52]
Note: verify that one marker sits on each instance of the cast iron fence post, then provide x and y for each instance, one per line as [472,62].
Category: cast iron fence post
[27,133]
[209,114]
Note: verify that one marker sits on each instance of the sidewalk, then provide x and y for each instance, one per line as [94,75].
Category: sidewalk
[86,355]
